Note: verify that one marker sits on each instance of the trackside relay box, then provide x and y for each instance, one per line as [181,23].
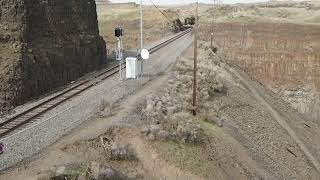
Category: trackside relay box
[133,68]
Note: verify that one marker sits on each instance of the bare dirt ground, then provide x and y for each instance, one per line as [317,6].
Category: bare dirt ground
[84,145]
[152,135]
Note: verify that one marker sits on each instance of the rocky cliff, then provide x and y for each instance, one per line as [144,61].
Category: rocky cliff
[46,44]
[284,57]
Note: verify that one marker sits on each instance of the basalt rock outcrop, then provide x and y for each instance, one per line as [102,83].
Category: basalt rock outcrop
[45,44]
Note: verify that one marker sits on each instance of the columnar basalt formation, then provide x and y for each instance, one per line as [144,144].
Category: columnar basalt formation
[283,57]
[46,44]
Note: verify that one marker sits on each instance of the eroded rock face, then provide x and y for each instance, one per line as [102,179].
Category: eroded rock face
[283,57]
[46,44]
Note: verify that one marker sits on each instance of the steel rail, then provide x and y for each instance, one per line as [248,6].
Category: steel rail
[38,110]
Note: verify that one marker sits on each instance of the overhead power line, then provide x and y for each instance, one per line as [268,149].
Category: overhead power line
[167,18]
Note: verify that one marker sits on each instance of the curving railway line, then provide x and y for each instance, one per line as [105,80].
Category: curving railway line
[24,119]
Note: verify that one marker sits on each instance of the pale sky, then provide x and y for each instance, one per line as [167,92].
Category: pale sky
[189,1]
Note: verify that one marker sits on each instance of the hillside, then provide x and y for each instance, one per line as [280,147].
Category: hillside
[156,25]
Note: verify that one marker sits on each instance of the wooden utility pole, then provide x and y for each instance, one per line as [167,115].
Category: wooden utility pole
[195,68]
[212,24]
[211,44]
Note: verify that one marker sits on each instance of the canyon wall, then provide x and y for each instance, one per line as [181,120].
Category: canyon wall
[46,44]
[283,57]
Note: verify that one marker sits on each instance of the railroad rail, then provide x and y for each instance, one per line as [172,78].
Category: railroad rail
[32,115]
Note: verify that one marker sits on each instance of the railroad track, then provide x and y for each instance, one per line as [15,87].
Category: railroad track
[24,119]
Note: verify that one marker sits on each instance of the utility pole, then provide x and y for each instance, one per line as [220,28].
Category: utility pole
[195,68]
[141,34]
[212,24]
[211,44]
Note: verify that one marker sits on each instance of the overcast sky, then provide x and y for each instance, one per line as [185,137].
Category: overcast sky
[189,1]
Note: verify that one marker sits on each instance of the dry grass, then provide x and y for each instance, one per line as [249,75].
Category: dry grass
[255,13]
[155,25]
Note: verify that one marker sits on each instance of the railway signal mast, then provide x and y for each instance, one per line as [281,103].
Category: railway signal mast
[119,33]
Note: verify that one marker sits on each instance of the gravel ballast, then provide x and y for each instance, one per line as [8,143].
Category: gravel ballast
[58,122]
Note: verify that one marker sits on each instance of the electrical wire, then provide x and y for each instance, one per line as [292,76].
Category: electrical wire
[167,18]
[159,8]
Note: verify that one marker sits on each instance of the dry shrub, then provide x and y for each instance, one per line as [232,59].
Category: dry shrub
[183,127]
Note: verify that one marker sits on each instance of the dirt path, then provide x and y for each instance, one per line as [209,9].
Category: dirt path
[157,167]
[115,115]
[261,154]
[229,159]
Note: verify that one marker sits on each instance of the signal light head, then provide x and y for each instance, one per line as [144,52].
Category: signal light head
[2,147]
[119,32]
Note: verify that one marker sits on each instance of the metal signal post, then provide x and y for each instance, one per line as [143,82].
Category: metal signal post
[120,56]
[119,32]
[141,34]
